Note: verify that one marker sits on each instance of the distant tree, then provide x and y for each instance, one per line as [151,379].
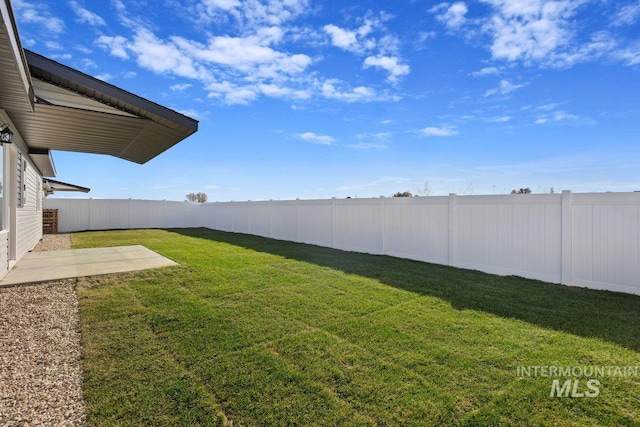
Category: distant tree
[403,194]
[522,191]
[424,191]
[197,198]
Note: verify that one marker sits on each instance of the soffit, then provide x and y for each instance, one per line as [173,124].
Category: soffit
[16,92]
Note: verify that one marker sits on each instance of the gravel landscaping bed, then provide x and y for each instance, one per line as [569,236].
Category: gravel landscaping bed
[40,357]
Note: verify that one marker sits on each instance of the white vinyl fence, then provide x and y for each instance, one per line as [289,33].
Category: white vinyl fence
[589,240]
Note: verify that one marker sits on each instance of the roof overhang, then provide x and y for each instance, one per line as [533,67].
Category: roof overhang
[76,112]
[16,91]
[55,107]
[43,160]
[51,185]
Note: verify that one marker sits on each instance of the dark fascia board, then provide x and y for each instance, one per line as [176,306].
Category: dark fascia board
[43,161]
[39,64]
[63,186]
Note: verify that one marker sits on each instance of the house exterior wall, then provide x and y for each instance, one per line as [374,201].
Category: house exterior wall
[29,216]
[4,253]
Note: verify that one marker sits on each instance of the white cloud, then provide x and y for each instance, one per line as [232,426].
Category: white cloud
[361,39]
[164,57]
[83,49]
[180,87]
[505,88]
[559,116]
[38,14]
[486,71]
[115,45]
[600,44]
[62,57]
[215,5]
[378,135]
[104,77]
[547,107]
[562,115]
[256,62]
[390,64]
[502,119]
[629,55]
[546,33]
[343,39]
[232,94]
[331,90]
[86,16]
[452,15]
[438,131]
[627,15]
[368,146]
[250,13]
[317,139]
[381,48]
[251,54]
[530,30]
[53,45]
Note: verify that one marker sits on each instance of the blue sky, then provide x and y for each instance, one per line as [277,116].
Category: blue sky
[310,99]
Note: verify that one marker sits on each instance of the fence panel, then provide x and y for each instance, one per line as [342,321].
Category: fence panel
[417,228]
[284,220]
[590,240]
[73,214]
[147,214]
[606,241]
[260,218]
[224,213]
[109,214]
[510,234]
[316,222]
[358,225]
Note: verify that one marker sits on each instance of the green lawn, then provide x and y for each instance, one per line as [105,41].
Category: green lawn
[252,331]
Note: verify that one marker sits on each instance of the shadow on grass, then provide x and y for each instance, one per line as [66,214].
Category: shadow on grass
[610,316]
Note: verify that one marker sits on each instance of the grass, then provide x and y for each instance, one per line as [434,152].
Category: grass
[252,331]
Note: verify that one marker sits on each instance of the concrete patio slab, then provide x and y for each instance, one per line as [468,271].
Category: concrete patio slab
[53,265]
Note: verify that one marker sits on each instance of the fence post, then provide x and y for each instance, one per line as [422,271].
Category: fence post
[452,229]
[298,220]
[333,222]
[567,234]
[381,226]
[90,212]
[271,218]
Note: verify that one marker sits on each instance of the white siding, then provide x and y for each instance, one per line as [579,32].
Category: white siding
[29,217]
[4,253]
